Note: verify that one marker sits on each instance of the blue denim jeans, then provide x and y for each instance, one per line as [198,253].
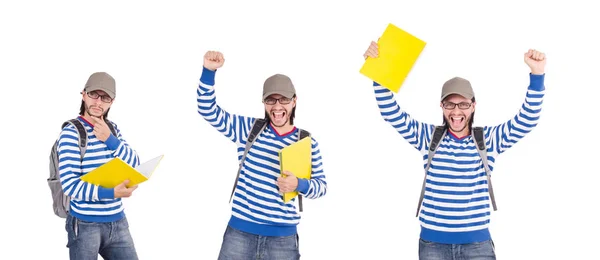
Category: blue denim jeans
[239,245]
[474,251]
[111,240]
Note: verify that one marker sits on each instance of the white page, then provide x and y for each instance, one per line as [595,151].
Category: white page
[148,167]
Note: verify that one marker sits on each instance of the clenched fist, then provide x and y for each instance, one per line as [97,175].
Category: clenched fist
[213,60]
[536,61]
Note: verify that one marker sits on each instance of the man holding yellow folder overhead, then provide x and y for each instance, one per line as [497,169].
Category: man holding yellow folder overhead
[96,223]
[262,223]
[457,192]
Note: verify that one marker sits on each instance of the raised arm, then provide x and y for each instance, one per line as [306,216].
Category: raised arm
[69,169]
[507,134]
[234,127]
[317,185]
[416,133]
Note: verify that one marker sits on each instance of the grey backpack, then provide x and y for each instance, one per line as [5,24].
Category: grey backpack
[60,201]
[479,139]
[258,126]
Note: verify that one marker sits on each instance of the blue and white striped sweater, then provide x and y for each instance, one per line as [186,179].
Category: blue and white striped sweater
[257,206]
[455,207]
[90,202]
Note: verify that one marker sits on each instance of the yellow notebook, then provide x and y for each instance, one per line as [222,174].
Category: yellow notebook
[115,171]
[296,158]
[398,52]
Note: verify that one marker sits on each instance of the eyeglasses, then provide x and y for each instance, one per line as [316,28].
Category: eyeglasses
[282,100]
[462,105]
[95,95]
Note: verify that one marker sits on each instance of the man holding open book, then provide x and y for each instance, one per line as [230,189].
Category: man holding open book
[262,223]
[455,201]
[96,223]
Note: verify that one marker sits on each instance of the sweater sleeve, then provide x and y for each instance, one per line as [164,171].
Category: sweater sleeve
[69,170]
[316,186]
[120,148]
[418,134]
[505,135]
[235,127]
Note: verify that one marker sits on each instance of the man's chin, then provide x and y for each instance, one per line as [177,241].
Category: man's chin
[278,123]
[95,114]
[457,130]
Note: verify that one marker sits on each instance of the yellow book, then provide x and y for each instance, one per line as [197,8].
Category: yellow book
[296,158]
[115,171]
[398,52]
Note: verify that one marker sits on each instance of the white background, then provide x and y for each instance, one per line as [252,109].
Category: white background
[546,185]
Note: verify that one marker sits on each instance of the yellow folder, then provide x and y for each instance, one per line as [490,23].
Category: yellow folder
[115,171]
[296,158]
[398,52]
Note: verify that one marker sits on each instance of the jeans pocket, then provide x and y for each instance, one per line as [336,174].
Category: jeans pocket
[425,242]
[297,241]
[72,227]
[125,223]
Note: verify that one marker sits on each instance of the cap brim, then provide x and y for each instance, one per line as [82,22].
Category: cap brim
[467,96]
[287,94]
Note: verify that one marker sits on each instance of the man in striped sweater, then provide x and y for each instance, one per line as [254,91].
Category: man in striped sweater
[455,211]
[262,225]
[96,223]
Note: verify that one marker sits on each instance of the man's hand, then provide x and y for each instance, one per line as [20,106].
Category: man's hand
[288,183]
[121,190]
[213,60]
[101,130]
[536,61]
[372,51]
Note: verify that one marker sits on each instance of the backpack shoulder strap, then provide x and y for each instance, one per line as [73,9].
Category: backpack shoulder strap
[438,134]
[258,126]
[479,139]
[302,134]
[82,133]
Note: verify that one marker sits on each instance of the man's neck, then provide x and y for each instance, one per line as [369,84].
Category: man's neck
[88,118]
[282,130]
[461,134]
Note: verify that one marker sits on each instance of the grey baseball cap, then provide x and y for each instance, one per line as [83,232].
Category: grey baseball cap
[457,85]
[279,84]
[101,81]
